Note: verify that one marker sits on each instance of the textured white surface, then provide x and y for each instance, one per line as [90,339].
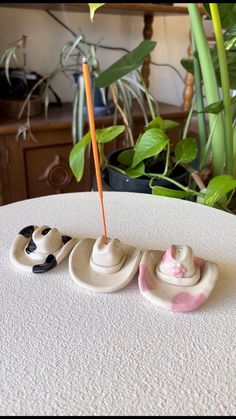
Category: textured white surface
[66,351]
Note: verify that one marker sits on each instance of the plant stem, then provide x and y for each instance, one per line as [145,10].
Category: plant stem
[224,75]
[211,88]
[126,122]
[179,185]
[207,147]
[167,159]
[148,97]
[199,101]
[186,127]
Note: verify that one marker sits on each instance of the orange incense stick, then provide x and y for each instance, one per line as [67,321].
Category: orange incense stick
[89,99]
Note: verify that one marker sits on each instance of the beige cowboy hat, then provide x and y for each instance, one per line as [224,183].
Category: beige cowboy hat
[102,267]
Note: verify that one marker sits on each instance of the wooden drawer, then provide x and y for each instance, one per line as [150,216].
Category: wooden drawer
[42,168]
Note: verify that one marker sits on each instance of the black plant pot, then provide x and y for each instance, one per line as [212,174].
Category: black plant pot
[117,181]
[99,108]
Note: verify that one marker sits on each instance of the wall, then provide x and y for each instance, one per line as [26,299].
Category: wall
[47,37]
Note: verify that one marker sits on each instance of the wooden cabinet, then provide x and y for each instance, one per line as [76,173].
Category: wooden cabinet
[30,169]
[37,169]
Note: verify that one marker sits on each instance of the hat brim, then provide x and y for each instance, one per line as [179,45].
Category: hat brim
[173,297]
[86,277]
[21,260]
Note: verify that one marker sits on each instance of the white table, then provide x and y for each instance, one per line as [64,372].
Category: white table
[66,351]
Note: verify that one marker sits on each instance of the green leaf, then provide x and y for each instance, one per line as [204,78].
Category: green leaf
[164,124]
[231,64]
[76,158]
[187,63]
[93,7]
[230,38]
[227,13]
[168,124]
[172,193]
[215,107]
[105,135]
[129,62]
[218,187]
[138,171]
[155,123]
[126,157]
[186,150]
[150,144]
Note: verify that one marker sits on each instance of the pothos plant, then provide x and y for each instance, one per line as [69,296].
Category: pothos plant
[138,161]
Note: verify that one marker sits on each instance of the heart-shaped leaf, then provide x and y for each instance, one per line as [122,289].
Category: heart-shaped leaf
[76,158]
[129,62]
[150,144]
[138,171]
[218,187]
[126,157]
[171,193]
[105,135]
[168,124]
[155,123]
[186,150]
[164,124]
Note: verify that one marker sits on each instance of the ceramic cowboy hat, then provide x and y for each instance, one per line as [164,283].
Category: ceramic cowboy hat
[102,267]
[175,279]
[39,249]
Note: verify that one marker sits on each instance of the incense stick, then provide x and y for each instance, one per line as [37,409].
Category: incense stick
[91,118]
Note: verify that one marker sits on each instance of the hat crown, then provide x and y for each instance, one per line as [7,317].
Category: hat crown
[109,254]
[47,240]
[178,267]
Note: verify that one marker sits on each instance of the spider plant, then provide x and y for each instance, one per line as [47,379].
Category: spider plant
[127,86]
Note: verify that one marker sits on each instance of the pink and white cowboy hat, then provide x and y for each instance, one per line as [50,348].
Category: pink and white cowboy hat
[175,279]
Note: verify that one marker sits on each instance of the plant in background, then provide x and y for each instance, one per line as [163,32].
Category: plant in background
[214,68]
[69,64]
[211,69]
[151,151]
[124,81]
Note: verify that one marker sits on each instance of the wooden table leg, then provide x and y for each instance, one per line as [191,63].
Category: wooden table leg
[189,83]
[147,34]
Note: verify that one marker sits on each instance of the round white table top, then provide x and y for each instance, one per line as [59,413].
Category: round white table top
[68,351]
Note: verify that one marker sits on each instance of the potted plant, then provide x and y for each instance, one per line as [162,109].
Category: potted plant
[122,90]
[151,165]
[216,155]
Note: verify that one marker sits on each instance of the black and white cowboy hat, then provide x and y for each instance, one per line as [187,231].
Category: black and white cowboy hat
[40,249]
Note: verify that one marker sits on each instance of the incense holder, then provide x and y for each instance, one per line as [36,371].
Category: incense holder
[40,249]
[101,267]
[176,279]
